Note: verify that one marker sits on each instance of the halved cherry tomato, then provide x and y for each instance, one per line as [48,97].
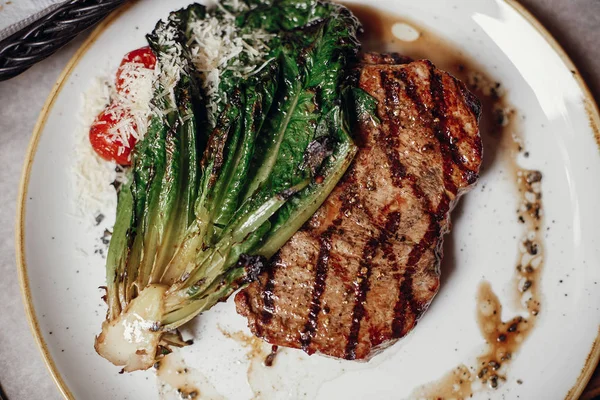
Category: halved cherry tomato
[143,56]
[108,144]
[105,143]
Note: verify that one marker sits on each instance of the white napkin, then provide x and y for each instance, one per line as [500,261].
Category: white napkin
[17,14]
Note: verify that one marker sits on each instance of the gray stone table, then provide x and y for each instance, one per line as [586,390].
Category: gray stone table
[23,375]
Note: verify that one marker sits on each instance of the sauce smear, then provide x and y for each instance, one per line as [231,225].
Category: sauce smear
[178,381]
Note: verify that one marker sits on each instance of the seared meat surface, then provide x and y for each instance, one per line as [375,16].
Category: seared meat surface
[363,270]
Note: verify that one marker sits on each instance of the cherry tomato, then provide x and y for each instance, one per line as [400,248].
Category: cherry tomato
[108,145]
[143,56]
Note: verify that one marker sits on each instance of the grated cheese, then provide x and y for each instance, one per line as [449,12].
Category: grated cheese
[169,68]
[131,105]
[92,175]
[216,44]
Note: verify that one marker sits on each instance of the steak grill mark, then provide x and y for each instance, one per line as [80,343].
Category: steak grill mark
[438,112]
[319,286]
[267,295]
[362,282]
[400,177]
[406,295]
[406,299]
[398,169]
[449,142]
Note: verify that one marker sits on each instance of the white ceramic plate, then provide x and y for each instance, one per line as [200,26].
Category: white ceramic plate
[559,122]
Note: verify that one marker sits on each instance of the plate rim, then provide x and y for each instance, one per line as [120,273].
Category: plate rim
[591,107]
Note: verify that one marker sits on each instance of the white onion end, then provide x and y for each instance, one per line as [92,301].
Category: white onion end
[131,340]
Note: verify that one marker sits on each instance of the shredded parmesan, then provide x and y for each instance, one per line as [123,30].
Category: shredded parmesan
[93,175]
[131,105]
[131,108]
[216,45]
[169,68]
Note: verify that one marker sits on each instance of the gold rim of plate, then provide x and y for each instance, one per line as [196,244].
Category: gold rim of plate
[591,107]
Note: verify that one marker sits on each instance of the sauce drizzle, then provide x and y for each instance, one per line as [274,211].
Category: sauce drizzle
[178,381]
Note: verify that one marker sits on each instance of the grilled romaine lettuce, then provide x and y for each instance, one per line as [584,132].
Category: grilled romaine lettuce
[232,165]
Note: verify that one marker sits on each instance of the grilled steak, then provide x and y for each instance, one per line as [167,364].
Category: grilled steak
[366,266]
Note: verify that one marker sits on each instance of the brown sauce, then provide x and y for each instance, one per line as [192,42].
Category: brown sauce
[499,132]
[268,382]
[254,345]
[456,384]
[258,356]
[175,377]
